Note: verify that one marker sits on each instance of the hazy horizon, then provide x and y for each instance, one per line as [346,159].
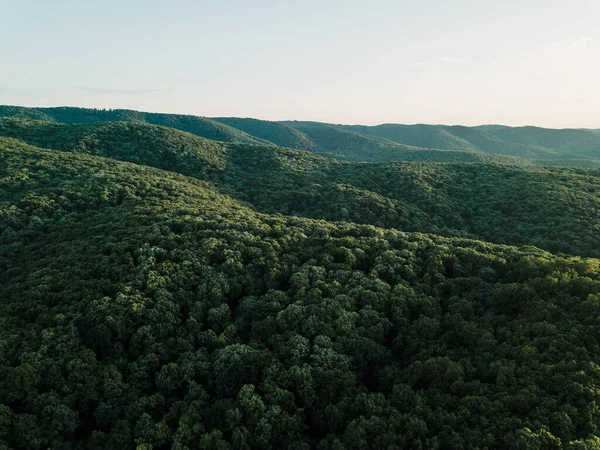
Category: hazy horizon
[297,120]
[405,62]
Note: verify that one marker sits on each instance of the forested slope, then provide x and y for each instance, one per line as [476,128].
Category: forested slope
[387,142]
[339,143]
[568,141]
[421,135]
[557,209]
[553,208]
[155,146]
[200,126]
[144,308]
[527,142]
[20,112]
[274,132]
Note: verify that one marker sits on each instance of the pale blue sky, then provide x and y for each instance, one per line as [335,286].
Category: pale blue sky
[468,62]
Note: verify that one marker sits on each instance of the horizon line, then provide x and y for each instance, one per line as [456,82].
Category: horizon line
[493,124]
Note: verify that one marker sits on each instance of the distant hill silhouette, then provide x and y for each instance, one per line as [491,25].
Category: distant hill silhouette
[387,142]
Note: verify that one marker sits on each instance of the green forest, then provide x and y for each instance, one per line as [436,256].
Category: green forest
[172,281]
[522,146]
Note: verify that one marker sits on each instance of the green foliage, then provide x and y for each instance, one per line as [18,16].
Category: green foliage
[141,308]
[355,143]
[526,142]
[21,112]
[200,126]
[150,145]
[551,208]
[522,146]
[339,143]
[277,133]
[163,290]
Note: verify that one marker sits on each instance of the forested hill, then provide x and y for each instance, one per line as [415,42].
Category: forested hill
[525,142]
[143,309]
[200,126]
[195,284]
[388,142]
[557,209]
[274,132]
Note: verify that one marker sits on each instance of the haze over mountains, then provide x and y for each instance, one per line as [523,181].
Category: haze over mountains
[388,142]
[171,281]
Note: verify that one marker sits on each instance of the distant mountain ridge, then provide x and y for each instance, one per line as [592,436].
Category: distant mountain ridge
[200,126]
[387,142]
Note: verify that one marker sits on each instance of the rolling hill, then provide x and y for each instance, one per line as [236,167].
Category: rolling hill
[526,142]
[151,145]
[537,144]
[387,142]
[200,126]
[279,134]
[160,289]
[553,208]
[141,308]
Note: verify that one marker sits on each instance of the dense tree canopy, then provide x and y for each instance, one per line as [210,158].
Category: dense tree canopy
[388,142]
[142,308]
[553,208]
[160,290]
[200,126]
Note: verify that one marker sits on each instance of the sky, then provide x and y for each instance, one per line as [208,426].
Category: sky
[469,62]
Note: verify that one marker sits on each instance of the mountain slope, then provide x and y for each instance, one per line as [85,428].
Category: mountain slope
[141,308]
[455,138]
[162,146]
[151,145]
[200,126]
[21,112]
[387,142]
[553,208]
[427,136]
[339,143]
[277,133]
[329,141]
[525,142]
[573,142]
